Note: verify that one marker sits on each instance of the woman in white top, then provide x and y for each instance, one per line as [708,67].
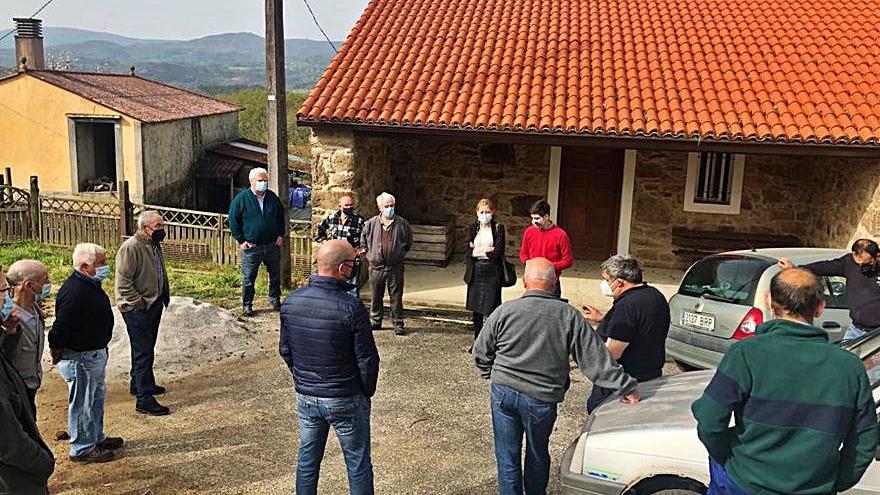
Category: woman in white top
[484,264]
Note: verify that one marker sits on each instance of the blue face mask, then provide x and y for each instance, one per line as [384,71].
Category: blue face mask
[101,273]
[388,212]
[6,310]
[262,186]
[47,288]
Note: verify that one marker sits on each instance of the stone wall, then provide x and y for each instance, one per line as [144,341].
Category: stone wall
[436,179]
[821,200]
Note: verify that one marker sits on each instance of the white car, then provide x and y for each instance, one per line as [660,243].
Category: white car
[652,447]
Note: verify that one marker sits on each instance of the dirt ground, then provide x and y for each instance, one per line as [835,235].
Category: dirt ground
[233,427]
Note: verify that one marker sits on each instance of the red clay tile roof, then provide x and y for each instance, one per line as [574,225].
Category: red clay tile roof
[139,98]
[718,70]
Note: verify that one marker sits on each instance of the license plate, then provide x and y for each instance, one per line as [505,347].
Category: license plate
[698,320]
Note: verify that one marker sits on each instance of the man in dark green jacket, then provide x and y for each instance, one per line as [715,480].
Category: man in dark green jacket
[256,219]
[804,416]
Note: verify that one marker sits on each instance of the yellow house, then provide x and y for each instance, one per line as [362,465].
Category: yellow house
[84,132]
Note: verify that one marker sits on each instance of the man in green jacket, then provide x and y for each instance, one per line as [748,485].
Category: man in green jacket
[256,219]
[804,415]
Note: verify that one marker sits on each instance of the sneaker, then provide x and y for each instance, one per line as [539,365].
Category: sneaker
[247,311]
[153,408]
[95,455]
[159,390]
[276,304]
[399,331]
[111,443]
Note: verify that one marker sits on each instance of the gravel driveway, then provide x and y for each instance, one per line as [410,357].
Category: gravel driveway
[233,427]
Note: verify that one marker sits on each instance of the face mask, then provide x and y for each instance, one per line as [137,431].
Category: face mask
[605,287]
[47,288]
[484,217]
[262,185]
[388,212]
[158,236]
[348,211]
[101,273]
[538,223]
[6,310]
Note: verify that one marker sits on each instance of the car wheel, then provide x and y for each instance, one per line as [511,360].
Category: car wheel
[684,367]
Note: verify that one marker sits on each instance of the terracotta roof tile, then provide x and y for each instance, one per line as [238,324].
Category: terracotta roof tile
[686,69]
[139,98]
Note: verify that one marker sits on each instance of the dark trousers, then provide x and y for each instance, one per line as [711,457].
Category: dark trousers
[599,394]
[143,329]
[32,395]
[478,320]
[392,276]
[266,254]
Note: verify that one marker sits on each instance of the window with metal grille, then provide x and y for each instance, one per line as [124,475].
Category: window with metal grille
[714,180]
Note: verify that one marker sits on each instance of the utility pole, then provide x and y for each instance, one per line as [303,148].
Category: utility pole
[276,121]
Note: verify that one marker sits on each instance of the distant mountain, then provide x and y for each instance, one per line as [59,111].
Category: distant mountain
[215,63]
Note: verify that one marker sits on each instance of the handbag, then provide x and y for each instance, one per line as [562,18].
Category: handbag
[508,276]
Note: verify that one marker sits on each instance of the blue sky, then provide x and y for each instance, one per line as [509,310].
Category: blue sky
[185,19]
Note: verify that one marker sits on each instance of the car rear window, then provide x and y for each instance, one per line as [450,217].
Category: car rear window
[730,278]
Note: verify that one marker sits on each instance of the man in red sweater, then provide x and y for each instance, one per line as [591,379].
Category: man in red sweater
[544,239]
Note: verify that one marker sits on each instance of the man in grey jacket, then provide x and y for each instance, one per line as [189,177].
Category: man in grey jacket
[386,239]
[524,350]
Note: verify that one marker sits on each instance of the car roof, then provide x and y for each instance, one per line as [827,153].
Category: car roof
[798,256]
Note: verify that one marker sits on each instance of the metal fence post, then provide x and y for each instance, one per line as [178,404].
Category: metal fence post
[221,241]
[34,208]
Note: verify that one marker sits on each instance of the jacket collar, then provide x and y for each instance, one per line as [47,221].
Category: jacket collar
[87,279]
[329,283]
[787,328]
[539,293]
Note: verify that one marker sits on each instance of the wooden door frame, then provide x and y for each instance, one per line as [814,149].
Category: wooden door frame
[627,190]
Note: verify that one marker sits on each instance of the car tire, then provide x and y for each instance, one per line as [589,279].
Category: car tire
[675,491]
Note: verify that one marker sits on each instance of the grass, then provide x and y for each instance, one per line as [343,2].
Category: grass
[216,284]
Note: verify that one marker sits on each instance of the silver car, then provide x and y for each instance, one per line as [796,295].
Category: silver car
[723,298]
[652,447]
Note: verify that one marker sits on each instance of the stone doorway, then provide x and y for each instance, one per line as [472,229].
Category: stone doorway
[589,200]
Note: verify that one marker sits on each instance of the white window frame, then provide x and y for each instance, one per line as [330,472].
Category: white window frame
[690,189]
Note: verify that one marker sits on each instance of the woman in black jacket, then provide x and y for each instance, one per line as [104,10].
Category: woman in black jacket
[484,264]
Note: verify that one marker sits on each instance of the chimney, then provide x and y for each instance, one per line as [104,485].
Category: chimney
[29,42]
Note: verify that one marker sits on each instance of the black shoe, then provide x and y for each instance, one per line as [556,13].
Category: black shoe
[399,331]
[96,455]
[152,408]
[376,325]
[276,304]
[247,311]
[158,390]
[111,443]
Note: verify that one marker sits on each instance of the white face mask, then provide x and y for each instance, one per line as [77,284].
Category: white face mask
[484,217]
[605,287]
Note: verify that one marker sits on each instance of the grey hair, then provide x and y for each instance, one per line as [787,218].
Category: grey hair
[23,270]
[535,272]
[257,171]
[85,254]
[145,217]
[623,267]
[384,197]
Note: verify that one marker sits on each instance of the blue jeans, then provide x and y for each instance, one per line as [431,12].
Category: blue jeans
[350,418]
[143,330]
[269,255]
[720,483]
[557,291]
[84,374]
[515,414]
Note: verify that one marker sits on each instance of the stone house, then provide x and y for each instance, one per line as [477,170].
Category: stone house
[663,129]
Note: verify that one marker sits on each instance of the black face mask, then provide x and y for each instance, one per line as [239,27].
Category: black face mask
[348,211]
[158,236]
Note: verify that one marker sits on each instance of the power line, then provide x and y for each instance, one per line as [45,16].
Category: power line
[316,24]
[31,17]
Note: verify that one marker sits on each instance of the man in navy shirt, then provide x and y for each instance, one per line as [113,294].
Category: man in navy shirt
[635,328]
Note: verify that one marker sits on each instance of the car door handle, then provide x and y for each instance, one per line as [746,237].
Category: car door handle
[830,324]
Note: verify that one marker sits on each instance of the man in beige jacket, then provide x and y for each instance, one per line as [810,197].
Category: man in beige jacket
[141,295]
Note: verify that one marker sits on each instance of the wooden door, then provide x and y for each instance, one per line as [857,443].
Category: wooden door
[589,200]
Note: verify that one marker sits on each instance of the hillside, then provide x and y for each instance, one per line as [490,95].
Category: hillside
[213,63]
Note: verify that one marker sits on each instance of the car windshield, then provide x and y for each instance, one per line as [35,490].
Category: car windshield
[730,278]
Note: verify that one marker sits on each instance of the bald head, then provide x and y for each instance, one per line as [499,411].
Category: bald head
[539,275]
[23,270]
[796,294]
[332,254]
